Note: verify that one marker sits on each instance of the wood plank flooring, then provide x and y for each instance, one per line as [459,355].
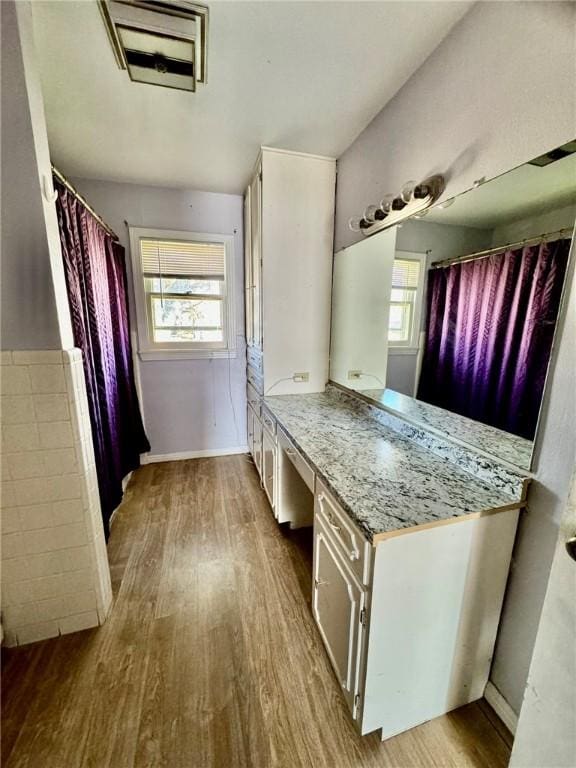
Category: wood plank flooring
[210,657]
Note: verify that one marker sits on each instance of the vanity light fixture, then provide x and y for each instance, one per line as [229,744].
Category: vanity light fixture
[413,199]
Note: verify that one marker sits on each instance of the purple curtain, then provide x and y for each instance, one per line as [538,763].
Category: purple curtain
[96,281]
[489,331]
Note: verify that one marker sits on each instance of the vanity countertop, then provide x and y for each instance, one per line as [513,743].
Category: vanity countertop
[511,448]
[384,481]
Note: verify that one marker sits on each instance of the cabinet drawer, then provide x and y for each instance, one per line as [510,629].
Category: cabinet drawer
[254,399]
[268,421]
[353,546]
[254,379]
[303,468]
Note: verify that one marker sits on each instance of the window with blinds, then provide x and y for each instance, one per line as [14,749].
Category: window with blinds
[404,302]
[184,296]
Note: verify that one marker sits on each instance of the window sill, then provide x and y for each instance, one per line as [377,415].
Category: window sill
[402,350]
[186,354]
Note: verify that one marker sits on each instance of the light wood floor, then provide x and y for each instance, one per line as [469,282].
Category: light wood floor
[210,657]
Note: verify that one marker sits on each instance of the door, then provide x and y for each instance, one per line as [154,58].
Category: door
[337,604]
[256,253]
[269,466]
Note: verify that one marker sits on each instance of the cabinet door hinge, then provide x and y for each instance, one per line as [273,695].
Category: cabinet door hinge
[357,701]
[363,617]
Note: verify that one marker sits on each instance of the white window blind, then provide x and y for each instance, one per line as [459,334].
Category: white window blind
[405,273]
[182,259]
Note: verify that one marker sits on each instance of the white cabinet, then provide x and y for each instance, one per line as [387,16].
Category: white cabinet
[269,465]
[257,442]
[409,620]
[338,604]
[289,215]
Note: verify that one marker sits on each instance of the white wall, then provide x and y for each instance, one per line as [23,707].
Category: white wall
[495,94]
[188,405]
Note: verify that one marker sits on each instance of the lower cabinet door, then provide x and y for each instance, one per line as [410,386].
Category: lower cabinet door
[250,429]
[258,444]
[338,602]
[269,466]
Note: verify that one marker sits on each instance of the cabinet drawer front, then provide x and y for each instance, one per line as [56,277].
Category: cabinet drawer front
[255,380]
[268,421]
[304,470]
[338,601]
[254,399]
[351,543]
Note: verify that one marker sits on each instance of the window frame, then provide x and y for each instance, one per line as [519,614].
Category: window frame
[148,349]
[412,345]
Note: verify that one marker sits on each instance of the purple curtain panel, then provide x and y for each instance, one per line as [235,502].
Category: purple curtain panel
[96,280]
[489,331]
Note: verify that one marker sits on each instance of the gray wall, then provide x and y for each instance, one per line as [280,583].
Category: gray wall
[496,93]
[486,100]
[29,319]
[188,405]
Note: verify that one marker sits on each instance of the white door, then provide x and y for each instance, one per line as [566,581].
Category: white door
[269,466]
[546,733]
[337,603]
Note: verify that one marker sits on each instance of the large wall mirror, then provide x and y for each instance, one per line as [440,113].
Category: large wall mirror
[449,318]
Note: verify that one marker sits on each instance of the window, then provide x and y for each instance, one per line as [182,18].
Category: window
[183,299]
[406,300]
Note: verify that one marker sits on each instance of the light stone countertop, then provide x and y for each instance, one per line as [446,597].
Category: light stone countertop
[385,481]
[503,445]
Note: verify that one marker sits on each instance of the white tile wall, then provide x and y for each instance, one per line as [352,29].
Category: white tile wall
[55,573]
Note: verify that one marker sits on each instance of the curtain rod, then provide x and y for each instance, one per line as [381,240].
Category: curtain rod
[60,176]
[505,247]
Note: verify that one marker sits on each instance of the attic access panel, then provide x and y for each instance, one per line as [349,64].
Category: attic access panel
[158,59]
[159,42]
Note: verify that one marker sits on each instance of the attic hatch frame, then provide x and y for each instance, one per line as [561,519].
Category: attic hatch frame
[181,9]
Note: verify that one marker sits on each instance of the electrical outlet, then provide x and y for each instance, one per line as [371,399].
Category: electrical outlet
[354,374]
[300,377]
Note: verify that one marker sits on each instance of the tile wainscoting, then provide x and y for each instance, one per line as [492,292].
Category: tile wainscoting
[55,572]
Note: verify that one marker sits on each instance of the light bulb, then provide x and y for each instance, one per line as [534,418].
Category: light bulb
[354,224]
[407,191]
[398,204]
[374,213]
[370,213]
[421,191]
[386,203]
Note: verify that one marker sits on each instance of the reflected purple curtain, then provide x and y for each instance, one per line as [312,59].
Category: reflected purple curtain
[490,326]
[96,281]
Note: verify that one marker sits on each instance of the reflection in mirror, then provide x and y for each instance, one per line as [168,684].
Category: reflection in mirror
[358,347]
[470,330]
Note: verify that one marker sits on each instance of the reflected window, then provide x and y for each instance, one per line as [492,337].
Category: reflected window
[405,301]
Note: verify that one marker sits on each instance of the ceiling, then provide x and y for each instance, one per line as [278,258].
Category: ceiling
[524,191]
[305,76]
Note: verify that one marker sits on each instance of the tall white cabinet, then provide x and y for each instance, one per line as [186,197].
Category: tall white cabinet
[289,226]
[289,243]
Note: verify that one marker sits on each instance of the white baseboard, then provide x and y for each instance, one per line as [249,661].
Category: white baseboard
[501,707]
[154,458]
